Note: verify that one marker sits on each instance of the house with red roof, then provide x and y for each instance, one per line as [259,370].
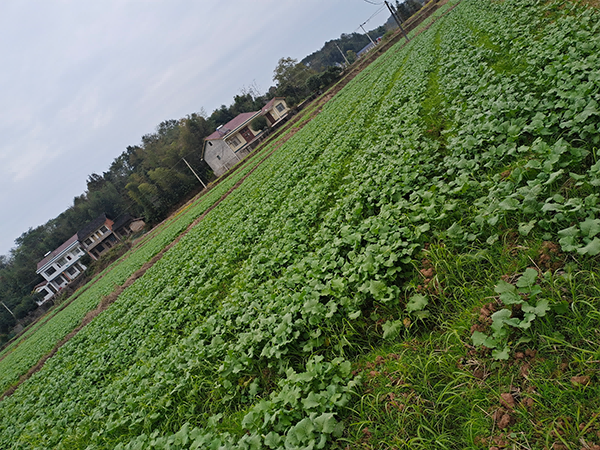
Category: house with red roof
[232,142]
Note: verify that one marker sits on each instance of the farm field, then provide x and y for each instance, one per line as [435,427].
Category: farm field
[22,354]
[416,268]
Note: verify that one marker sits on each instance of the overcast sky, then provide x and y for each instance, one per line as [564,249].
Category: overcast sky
[82,80]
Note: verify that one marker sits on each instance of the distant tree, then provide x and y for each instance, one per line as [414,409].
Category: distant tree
[351,55]
[221,116]
[404,10]
[313,83]
[26,305]
[7,321]
[291,76]
[259,123]
[324,79]
[95,182]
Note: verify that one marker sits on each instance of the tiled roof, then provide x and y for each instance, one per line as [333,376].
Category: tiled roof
[57,252]
[366,48]
[232,125]
[91,227]
[269,105]
[122,220]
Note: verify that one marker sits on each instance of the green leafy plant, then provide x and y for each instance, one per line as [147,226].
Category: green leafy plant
[523,307]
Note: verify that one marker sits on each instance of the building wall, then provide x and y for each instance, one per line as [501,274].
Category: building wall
[219,156]
[275,111]
[61,263]
[236,140]
[101,240]
[59,272]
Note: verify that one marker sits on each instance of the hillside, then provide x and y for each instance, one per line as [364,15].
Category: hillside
[416,268]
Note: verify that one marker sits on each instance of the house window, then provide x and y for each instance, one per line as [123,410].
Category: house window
[88,241]
[69,257]
[279,107]
[50,271]
[71,271]
[61,262]
[235,141]
[103,229]
[59,280]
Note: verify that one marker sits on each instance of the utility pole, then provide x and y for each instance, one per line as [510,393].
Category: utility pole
[397,19]
[344,56]
[188,164]
[11,313]
[368,35]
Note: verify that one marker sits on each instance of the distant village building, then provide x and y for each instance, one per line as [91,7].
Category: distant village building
[61,266]
[232,142]
[367,48]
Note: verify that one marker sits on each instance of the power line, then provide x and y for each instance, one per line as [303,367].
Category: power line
[373,15]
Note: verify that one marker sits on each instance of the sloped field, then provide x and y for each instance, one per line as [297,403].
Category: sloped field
[328,302]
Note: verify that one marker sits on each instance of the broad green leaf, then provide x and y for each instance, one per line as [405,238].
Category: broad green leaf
[569,244]
[554,176]
[500,316]
[513,322]
[528,278]
[525,228]
[455,231]
[523,340]
[392,328]
[590,109]
[312,400]
[303,429]
[378,289]
[592,248]
[354,315]
[480,339]
[424,228]
[326,423]
[590,227]
[501,354]
[560,308]
[569,232]
[508,293]
[509,204]
[540,309]
[421,314]
[492,239]
[417,302]
[273,440]
[526,322]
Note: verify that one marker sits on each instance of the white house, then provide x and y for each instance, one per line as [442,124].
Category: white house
[59,268]
[232,142]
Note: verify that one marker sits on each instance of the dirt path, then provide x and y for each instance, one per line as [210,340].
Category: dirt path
[278,138]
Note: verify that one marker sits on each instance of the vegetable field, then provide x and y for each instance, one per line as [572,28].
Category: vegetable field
[416,268]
